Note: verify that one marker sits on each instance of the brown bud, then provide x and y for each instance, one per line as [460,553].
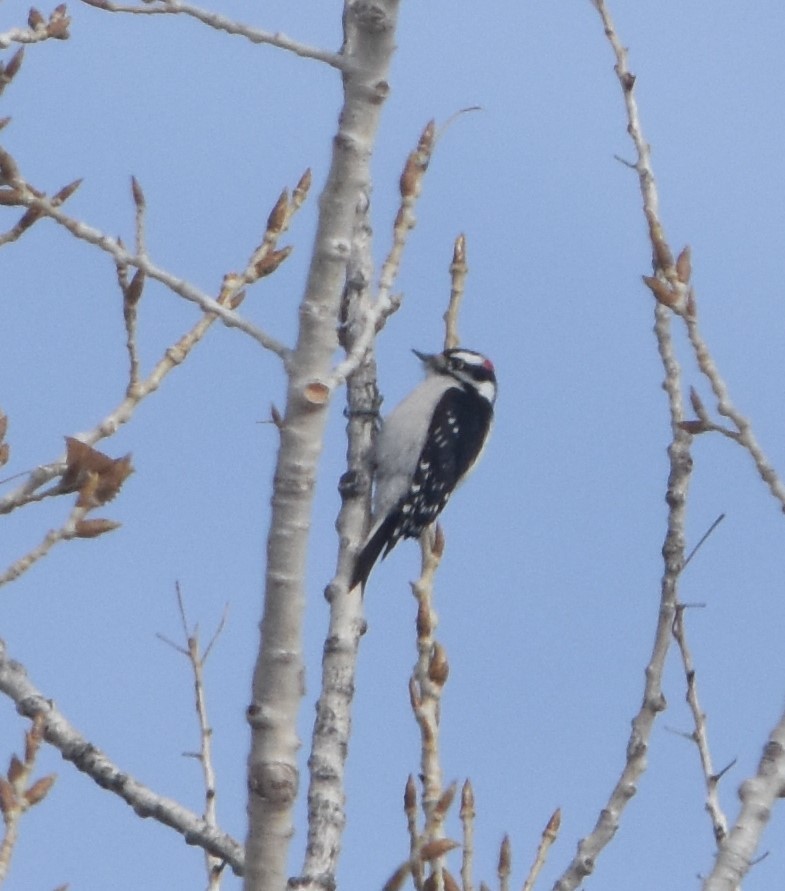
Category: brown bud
[684,266]
[13,65]
[94,528]
[410,795]
[449,881]
[445,801]
[693,427]
[138,194]
[554,824]
[5,452]
[438,666]
[662,291]
[15,769]
[432,850]
[459,251]
[39,790]
[301,190]
[3,425]
[270,262]
[133,292]
[65,193]
[35,19]
[467,800]
[34,737]
[424,624]
[8,800]
[396,880]
[277,218]
[505,857]
[696,402]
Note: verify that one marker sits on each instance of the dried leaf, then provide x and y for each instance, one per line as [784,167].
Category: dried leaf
[96,476]
[39,790]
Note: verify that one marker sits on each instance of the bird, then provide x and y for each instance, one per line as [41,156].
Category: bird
[425,448]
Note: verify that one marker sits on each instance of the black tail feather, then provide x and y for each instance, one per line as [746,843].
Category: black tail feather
[368,556]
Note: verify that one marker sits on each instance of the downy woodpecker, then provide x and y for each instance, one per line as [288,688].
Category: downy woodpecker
[426,447]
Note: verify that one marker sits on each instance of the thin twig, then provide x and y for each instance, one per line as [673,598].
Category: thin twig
[700,734]
[373,318]
[66,532]
[86,757]
[117,251]
[458,272]
[425,691]
[549,836]
[221,23]
[197,659]
[467,815]
[678,483]
[704,537]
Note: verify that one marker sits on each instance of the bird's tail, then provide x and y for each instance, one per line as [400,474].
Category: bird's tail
[371,550]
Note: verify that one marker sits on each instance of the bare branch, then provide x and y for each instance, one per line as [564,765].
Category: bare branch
[221,23]
[678,483]
[458,272]
[758,796]
[197,659]
[372,318]
[57,731]
[549,836]
[467,814]
[117,251]
[700,734]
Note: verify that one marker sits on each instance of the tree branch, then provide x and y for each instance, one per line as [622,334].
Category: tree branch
[31,703]
[273,776]
[221,23]
[758,796]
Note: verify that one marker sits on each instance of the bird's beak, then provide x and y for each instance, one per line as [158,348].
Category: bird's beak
[430,360]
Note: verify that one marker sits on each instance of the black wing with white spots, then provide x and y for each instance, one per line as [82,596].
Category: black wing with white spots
[455,439]
[454,442]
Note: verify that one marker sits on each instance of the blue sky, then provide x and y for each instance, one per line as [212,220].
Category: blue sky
[548,593]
